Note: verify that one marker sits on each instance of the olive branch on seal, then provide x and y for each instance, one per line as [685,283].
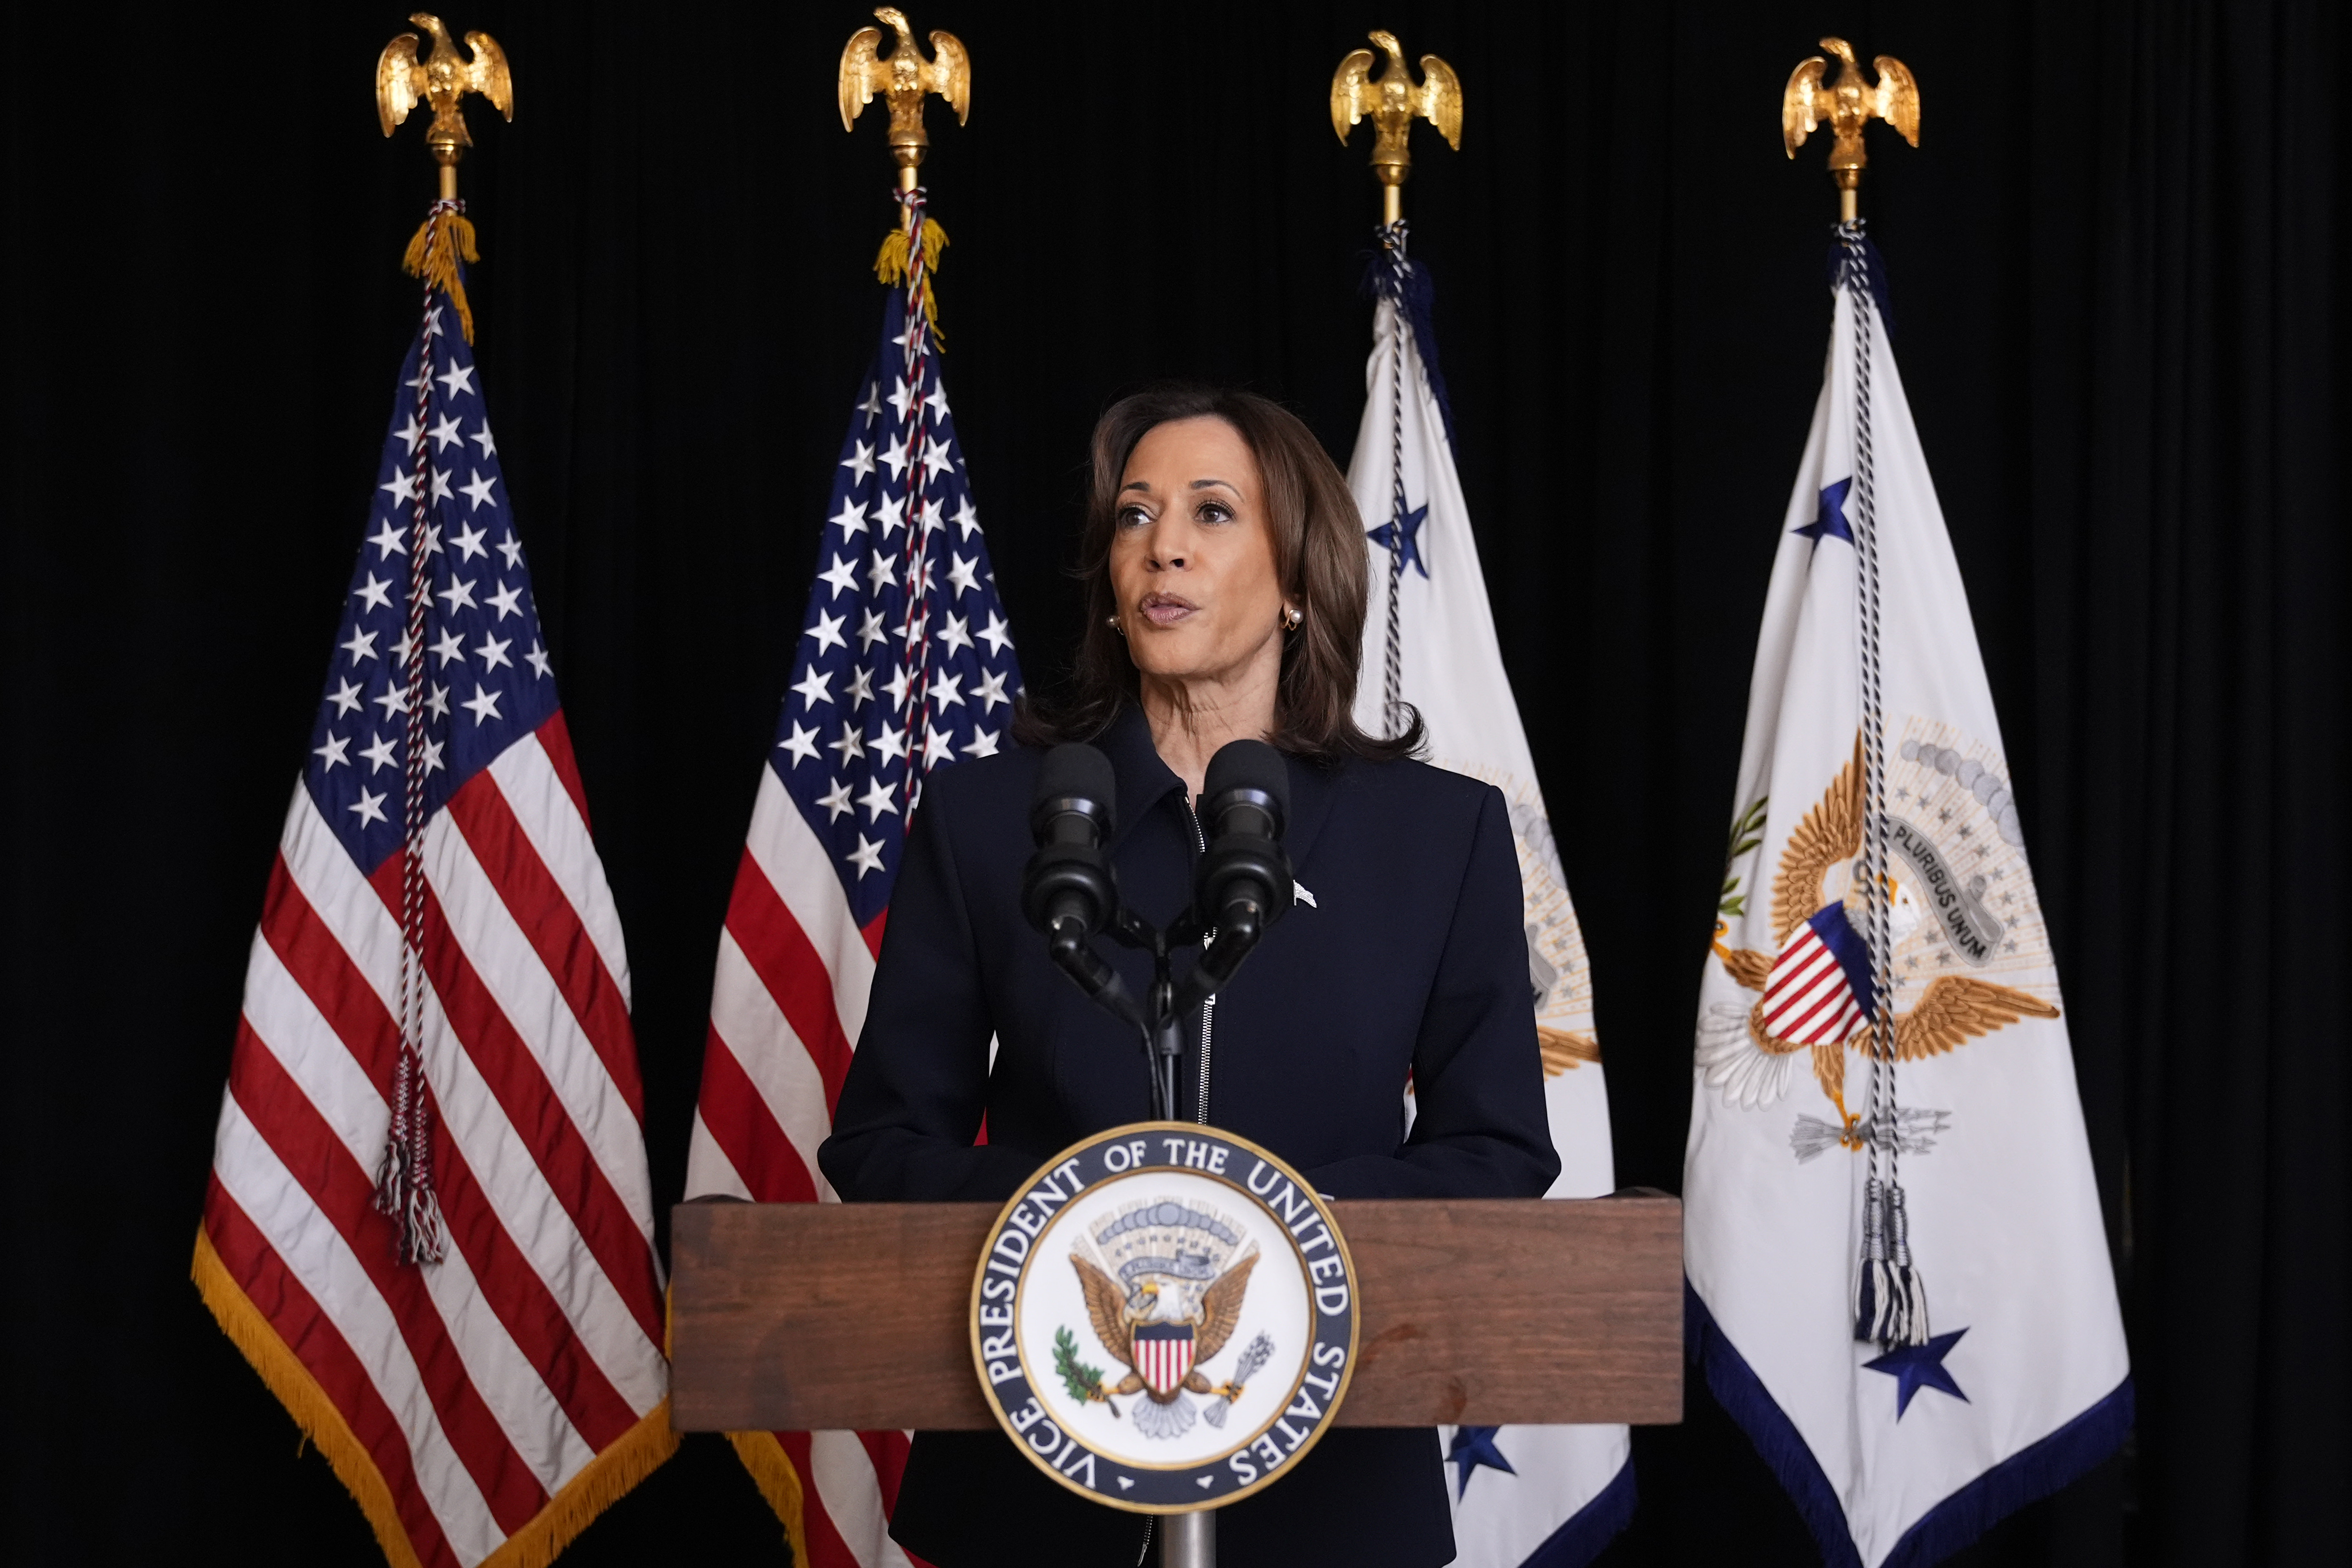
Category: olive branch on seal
[1746,834]
[1084,1381]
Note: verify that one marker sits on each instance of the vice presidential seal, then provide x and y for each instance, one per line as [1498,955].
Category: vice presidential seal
[1165,1318]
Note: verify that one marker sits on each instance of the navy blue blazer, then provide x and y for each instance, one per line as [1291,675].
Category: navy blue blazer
[1404,953]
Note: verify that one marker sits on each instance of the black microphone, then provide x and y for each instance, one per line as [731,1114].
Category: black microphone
[1069,892]
[1244,884]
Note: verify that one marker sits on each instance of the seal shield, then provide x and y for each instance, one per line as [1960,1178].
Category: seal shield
[1163,1356]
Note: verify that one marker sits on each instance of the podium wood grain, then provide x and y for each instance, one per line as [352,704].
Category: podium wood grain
[794,1317]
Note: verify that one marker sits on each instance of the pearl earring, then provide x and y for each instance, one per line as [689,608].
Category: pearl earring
[1292,619]
[1112,622]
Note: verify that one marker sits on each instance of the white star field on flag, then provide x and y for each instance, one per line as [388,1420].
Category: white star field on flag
[905,661]
[488,680]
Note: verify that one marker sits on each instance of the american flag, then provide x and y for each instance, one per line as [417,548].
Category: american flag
[905,665]
[483,1408]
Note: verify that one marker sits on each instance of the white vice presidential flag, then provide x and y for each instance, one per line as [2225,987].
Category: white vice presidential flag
[1548,1495]
[1939,1203]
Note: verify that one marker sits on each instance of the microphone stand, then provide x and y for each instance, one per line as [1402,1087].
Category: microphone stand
[1159,1019]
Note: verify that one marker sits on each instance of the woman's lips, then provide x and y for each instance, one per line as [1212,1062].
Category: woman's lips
[1165,609]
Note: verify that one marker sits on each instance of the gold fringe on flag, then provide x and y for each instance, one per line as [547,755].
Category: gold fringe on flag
[598,1485]
[432,255]
[601,1482]
[890,266]
[284,1375]
[771,1471]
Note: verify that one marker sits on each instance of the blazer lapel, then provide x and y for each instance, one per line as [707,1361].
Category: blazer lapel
[1313,788]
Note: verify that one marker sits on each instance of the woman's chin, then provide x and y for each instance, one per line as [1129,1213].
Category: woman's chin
[1178,652]
[1192,653]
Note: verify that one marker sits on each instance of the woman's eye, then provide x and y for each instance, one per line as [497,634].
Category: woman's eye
[1132,517]
[1215,512]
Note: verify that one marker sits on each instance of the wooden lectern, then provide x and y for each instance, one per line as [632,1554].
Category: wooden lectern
[799,1317]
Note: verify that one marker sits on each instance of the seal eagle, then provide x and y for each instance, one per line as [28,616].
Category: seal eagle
[1750,1064]
[1117,1318]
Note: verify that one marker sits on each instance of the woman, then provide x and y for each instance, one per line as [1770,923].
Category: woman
[1225,575]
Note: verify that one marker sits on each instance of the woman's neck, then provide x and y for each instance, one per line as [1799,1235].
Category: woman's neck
[1193,719]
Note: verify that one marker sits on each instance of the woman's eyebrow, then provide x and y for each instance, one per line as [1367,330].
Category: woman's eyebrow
[1204,484]
[1143,485]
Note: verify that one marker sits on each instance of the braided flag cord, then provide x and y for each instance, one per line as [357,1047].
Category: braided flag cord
[905,665]
[404,1179]
[1890,1298]
[430,1224]
[915,565]
[1392,246]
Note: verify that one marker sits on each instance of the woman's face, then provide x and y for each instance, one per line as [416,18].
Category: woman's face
[1191,556]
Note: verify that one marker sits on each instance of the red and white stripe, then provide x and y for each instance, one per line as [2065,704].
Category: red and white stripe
[787,1004]
[482,1385]
[1806,998]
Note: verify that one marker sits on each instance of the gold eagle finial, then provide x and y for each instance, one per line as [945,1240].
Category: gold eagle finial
[1846,105]
[904,78]
[441,79]
[1395,100]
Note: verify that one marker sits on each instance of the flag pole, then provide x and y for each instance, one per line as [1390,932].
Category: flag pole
[1395,100]
[1888,1295]
[1846,105]
[405,1189]
[908,256]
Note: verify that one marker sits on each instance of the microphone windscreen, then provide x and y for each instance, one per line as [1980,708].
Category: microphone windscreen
[1251,765]
[1076,770]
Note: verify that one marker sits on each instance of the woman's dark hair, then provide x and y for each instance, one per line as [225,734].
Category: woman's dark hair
[1319,557]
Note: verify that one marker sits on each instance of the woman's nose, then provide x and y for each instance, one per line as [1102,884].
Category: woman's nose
[1168,548]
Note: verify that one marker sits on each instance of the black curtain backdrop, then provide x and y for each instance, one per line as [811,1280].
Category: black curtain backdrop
[2115,263]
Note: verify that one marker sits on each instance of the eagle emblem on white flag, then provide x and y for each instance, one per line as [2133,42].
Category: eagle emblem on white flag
[1817,995]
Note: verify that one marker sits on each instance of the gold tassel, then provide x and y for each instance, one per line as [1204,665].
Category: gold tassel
[433,256]
[599,1484]
[890,266]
